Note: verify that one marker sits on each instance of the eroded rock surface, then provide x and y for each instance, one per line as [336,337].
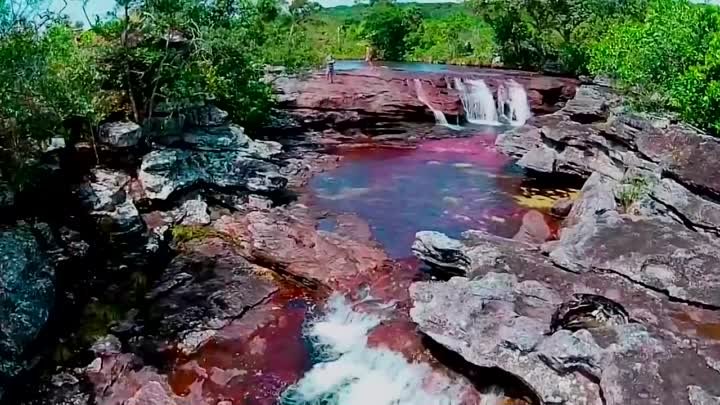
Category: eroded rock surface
[504,314]
[364,97]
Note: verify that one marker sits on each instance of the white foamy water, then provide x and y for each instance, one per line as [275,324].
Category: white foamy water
[351,373]
[477,101]
[440,118]
[513,103]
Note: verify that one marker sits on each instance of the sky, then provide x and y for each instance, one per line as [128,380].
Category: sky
[100,7]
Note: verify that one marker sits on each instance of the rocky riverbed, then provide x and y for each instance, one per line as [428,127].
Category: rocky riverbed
[211,274]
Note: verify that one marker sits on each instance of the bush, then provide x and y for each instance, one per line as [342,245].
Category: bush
[669,59]
[552,35]
[459,39]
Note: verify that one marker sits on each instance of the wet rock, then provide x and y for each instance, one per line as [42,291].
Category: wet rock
[562,207]
[165,172]
[534,229]
[27,293]
[503,314]
[208,285]
[120,134]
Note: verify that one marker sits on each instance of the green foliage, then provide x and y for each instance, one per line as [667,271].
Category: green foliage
[387,27]
[185,233]
[551,34]
[633,189]
[669,59]
[458,39]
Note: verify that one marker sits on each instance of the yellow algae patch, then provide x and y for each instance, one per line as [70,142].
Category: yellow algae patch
[535,198]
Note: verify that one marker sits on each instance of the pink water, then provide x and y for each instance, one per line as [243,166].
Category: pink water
[448,185]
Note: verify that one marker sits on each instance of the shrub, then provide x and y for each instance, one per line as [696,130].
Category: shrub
[670,59]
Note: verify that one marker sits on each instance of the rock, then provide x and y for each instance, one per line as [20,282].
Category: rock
[287,240]
[700,212]
[218,139]
[591,103]
[534,229]
[106,345]
[105,195]
[561,208]
[596,196]
[441,252]
[203,289]
[27,294]
[55,143]
[193,212]
[664,256]
[362,98]
[698,396]
[505,315]
[120,134]
[7,196]
[164,172]
[686,153]
[207,116]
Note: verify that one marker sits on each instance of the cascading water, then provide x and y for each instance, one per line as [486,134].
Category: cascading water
[513,103]
[422,96]
[477,101]
[352,373]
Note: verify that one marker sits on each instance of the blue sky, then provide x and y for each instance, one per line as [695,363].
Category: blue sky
[100,7]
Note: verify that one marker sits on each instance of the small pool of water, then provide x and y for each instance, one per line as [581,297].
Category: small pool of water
[449,186]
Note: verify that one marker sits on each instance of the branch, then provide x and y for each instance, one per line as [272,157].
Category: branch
[87,17]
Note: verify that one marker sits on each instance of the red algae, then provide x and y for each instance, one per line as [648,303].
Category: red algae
[252,360]
[447,185]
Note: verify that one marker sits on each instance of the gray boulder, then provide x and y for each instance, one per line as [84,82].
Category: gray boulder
[27,293]
[105,196]
[164,172]
[591,338]
[207,116]
[120,134]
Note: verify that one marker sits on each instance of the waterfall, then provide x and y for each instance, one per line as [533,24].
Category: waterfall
[422,96]
[478,102]
[513,103]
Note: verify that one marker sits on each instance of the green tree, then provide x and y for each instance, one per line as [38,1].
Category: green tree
[670,60]
[387,26]
[552,34]
[458,38]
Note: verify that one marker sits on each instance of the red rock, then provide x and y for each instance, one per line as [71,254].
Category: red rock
[389,95]
[286,240]
[534,229]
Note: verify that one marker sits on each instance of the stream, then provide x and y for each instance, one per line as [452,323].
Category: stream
[356,343]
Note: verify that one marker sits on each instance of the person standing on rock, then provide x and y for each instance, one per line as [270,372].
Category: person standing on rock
[369,55]
[330,65]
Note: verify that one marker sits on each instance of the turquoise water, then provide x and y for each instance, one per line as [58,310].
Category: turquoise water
[350,65]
